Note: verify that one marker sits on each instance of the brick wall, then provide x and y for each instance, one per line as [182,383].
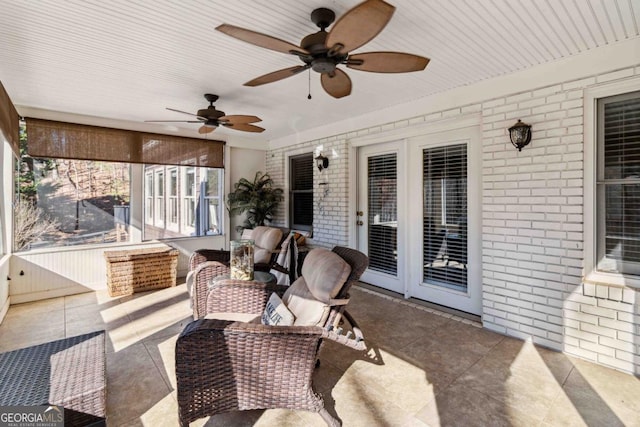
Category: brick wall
[330,192]
[533,224]
[533,232]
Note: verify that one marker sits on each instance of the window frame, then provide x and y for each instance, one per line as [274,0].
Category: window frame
[291,192]
[590,252]
[182,188]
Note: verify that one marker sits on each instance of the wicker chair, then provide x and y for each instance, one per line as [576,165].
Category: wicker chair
[267,244]
[224,365]
[206,264]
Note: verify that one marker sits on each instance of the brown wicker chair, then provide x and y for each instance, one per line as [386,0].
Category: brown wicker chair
[224,366]
[267,246]
[206,264]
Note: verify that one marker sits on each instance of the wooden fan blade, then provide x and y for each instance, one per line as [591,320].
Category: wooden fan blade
[173,121]
[336,84]
[182,112]
[246,127]
[260,39]
[387,62]
[206,129]
[359,25]
[276,75]
[235,119]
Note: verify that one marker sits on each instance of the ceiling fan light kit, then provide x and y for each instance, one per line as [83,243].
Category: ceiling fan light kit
[324,51]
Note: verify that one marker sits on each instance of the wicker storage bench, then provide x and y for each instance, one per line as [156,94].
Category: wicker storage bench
[139,270]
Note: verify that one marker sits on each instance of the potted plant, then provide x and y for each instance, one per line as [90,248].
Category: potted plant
[259,199]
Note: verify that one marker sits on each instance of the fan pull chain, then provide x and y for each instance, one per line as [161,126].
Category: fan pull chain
[309,96]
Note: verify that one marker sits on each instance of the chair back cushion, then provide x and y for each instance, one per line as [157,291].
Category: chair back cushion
[266,241]
[323,274]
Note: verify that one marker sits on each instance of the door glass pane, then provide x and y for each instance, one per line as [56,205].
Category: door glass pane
[445,216]
[619,184]
[383,213]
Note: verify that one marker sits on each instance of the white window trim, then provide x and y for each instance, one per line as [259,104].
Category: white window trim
[591,96]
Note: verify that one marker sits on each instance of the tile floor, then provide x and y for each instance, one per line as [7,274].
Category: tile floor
[423,368]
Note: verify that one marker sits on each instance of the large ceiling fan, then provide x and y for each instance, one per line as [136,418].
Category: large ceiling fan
[324,51]
[211,118]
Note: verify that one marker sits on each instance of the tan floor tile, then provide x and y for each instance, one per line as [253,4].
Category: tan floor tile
[466,407]
[31,327]
[401,382]
[419,368]
[163,413]
[162,351]
[134,385]
[596,395]
[28,309]
[524,356]
[358,405]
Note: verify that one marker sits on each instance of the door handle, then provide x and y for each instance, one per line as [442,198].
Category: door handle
[359,213]
[359,222]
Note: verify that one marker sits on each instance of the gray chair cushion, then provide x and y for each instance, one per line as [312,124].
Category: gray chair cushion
[308,298]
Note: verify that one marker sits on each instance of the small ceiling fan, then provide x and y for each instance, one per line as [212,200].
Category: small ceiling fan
[211,118]
[323,51]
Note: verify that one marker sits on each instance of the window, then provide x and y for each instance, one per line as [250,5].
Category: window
[148,199]
[192,203]
[62,202]
[618,184]
[173,199]
[301,192]
[159,198]
[445,216]
[188,199]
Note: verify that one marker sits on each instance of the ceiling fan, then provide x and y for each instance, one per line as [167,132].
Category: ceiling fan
[323,51]
[211,118]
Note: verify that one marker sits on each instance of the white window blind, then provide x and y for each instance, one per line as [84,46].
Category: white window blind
[618,184]
[383,213]
[445,216]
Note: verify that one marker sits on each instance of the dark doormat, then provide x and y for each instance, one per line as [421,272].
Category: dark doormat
[69,372]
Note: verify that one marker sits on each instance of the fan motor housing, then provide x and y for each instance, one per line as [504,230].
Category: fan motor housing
[210,113]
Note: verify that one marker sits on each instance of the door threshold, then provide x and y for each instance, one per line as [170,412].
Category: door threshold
[423,303]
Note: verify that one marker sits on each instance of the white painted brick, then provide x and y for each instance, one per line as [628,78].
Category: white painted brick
[554,342]
[627,356]
[617,344]
[581,317]
[597,330]
[629,296]
[597,348]
[616,363]
[617,325]
[581,353]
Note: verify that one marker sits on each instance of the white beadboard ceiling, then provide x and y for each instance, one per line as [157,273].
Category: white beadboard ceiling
[127,60]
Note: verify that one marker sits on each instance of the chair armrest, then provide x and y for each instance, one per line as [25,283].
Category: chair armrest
[202,276]
[202,255]
[240,296]
[353,338]
[223,366]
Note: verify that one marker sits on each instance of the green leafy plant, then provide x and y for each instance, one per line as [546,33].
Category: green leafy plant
[259,199]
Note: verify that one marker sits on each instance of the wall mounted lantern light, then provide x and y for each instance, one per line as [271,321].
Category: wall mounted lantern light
[322,162]
[520,134]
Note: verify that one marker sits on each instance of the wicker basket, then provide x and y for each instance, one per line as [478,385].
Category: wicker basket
[140,270]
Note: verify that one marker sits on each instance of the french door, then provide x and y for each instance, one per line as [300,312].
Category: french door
[419,217]
[380,228]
